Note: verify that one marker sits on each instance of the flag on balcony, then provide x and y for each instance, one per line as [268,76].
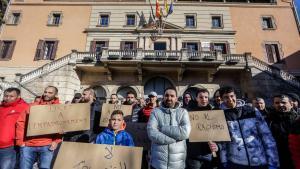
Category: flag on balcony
[166,6]
[158,10]
[151,20]
[171,8]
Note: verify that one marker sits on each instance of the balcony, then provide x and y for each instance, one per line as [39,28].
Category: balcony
[158,55]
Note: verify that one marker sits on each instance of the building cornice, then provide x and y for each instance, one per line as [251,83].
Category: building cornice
[183,31]
[136,3]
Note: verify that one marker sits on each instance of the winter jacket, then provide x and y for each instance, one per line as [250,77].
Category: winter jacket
[144,114]
[199,150]
[252,143]
[280,125]
[9,113]
[42,140]
[108,136]
[168,128]
[95,115]
[294,144]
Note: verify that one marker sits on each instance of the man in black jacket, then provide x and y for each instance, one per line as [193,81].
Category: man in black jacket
[199,155]
[281,121]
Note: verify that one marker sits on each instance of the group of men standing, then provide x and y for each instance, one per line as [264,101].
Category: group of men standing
[260,138]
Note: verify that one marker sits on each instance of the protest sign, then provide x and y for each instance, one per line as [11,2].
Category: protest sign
[138,131]
[208,126]
[100,156]
[58,118]
[107,109]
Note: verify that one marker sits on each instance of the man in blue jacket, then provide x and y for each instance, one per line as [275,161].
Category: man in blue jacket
[252,145]
[115,133]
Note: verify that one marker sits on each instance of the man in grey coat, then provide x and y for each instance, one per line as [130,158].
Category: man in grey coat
[168,128]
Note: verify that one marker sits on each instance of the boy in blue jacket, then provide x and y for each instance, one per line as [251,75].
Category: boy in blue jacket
[115,133]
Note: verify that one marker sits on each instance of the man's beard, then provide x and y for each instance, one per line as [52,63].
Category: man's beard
[169,104]
[45,98]
[84,101]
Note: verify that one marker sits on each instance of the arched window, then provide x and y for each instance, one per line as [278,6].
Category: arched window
[100,93]
[157,84]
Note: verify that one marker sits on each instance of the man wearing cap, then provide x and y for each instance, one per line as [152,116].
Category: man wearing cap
[145,112]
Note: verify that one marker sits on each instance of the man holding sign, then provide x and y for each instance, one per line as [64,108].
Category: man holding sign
[168,128]
[252,145]
[37,146]
[199,154]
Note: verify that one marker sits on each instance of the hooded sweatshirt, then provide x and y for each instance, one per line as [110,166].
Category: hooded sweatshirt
[111,137]
[42,140]
[9,114]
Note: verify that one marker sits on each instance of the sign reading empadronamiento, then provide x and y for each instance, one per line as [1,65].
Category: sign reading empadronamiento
[208,125]
[58,118]
[107,109]
[97,156]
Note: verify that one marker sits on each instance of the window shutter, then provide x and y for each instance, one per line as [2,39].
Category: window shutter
[39,50]
[61,18]
[49,22]
[269,53]
[134,45]
[11,49]
[183,44]
[274,53]
[227,46]
[199,46]
[106,44]
[93,46]
[53,53]
[212,48]
[9,18]
[122,45]
[1,50]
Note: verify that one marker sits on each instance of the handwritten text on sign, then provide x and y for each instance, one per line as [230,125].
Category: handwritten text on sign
[208,126]
[91,156]
[107,109]
[49,119]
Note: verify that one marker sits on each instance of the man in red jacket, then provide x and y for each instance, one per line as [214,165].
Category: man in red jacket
[37,146]
[294,143]
[10,110]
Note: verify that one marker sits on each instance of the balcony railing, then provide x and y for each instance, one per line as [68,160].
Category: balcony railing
[161,55]
[170,55]
[121,54]
[202,55]
[245,60]
[234,58]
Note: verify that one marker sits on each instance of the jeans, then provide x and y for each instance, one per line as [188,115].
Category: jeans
[28,156]
[7,158]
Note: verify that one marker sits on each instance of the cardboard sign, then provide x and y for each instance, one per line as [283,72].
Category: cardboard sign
[139,134]
[100,156]
[107,109]
[56,118]
[208,126]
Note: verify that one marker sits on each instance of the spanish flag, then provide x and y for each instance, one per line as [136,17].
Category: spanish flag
[158,12]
